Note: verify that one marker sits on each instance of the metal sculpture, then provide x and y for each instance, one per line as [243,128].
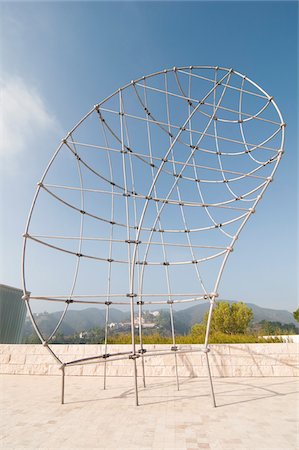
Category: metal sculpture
[160,179]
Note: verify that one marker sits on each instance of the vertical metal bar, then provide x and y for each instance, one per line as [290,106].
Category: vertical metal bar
[108,302]
[131,262]
[141,343]
[106,342]
[206,348]
[212,302]
[136,385]
[174,345]
[211,381]
[62,383]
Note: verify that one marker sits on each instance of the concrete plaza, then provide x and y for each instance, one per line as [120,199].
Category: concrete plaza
[252,413]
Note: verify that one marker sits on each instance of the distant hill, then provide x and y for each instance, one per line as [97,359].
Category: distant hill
[195,314]
[272,315]
[76,321]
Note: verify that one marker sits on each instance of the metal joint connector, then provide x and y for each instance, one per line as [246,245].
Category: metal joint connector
[134,356]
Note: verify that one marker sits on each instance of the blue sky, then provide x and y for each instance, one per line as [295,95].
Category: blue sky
[59,59]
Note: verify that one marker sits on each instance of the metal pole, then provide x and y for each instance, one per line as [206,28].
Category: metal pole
[140,303]
[62,383]
[132,261]
[106,341]
[206,348]
[136,386]
[210,379]
[174,346]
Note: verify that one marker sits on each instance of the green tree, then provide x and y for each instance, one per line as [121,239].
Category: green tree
[198,331]
[229,318]
[296,314]
[32,339]
[276,328]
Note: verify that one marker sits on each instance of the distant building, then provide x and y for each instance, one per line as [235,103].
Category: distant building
[12,315]
[136,320]
[83,334]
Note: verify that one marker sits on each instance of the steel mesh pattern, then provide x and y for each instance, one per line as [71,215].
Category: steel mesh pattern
[150,190]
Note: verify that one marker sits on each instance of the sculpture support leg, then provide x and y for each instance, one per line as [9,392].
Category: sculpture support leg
[136,385]
[141,342]
[211,381]
[62,383]
[174,346]
[206,349]
[106,342]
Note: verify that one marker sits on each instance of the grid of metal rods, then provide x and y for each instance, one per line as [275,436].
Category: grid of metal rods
[202,139]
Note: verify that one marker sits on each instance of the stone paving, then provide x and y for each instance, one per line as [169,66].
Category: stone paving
[252,413]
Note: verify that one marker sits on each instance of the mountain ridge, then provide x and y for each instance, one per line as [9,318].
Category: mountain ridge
[76,321]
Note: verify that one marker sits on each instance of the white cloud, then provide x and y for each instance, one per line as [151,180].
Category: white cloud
[24,118]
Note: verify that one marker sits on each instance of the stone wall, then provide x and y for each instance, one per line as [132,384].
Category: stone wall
[242,360]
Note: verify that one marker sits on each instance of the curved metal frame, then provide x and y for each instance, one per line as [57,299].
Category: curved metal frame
[159,167]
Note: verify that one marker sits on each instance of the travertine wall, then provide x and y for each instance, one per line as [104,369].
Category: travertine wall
[226,360]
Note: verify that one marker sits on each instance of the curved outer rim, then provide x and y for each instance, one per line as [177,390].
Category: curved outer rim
[98,105]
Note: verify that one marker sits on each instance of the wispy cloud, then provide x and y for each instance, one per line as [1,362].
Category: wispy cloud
[24,119]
